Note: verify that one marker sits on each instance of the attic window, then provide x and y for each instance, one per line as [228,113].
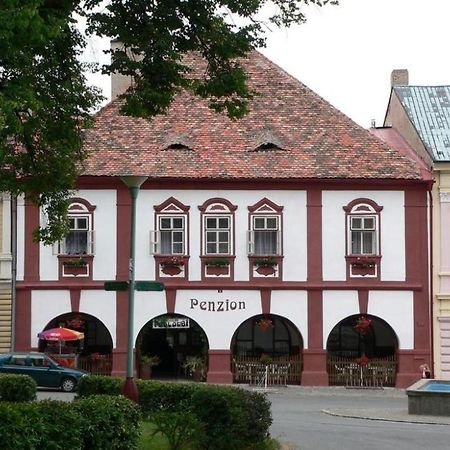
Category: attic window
[177,146]
[267,146]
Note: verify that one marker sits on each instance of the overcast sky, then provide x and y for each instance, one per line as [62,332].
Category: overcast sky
[346,53]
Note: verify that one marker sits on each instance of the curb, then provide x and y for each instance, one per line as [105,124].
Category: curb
[424,420]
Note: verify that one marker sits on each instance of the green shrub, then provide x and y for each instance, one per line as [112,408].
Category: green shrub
[17,388]
[155,395]
[61,425]
[20,426]
[257,417]
[98,384]
[108,422]
[181,428]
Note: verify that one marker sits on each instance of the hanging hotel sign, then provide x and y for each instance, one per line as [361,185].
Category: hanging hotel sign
[177,322]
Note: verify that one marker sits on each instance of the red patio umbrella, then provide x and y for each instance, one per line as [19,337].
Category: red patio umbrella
[60,334]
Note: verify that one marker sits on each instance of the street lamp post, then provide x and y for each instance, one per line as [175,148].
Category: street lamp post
[129,388]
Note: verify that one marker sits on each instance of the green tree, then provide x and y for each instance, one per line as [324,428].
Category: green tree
[45,102]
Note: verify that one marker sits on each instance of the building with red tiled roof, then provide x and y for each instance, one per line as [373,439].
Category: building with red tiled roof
[292,235]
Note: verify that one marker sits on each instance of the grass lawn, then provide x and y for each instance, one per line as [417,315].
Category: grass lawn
[159,441]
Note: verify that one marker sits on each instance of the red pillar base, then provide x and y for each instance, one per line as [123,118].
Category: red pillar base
[119,363]
[314,368]
[130,390]
[219,370]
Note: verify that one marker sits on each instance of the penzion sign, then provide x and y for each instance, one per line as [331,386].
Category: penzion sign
[217,305]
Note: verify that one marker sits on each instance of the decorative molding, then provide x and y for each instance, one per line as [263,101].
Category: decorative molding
[444,197]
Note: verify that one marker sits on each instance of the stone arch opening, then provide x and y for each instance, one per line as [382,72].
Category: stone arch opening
[362,351]
[93,353]
[172,346]
[267,343]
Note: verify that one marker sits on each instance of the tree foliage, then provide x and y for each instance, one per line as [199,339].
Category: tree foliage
[45,102]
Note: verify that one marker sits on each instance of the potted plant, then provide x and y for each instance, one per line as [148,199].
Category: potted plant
[172,265]
[196,367]
[217,266]
[147,362]
[265,265]
[265,359]
[75,266]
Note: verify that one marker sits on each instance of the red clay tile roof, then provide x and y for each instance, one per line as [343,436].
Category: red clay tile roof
[317,141]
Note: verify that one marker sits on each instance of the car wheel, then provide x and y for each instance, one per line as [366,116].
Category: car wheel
[68,384]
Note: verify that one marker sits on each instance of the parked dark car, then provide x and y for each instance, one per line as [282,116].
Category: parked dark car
[43,369]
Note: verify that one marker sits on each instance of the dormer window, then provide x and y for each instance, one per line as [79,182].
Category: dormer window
[267,146]
[177,146]
[177,142]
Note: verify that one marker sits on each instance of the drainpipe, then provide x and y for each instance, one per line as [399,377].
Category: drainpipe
[430,194]
[13,269]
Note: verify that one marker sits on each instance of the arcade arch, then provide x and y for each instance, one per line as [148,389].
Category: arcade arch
[93,353]
[178,342]
[267,338]
[362,351]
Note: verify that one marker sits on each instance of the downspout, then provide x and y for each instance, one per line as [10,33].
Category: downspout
[430,194]
[13,269]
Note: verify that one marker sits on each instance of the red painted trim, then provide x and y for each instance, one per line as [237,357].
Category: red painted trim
[169,201]
[315,322]
[363,299]
[314,234]
[123,232]
[266,201]
[416,263]
[228,206]
[246,285]
[104,182]
[266,295]
[314,368]
[23,320]
[85,203]
[348,208]
[171,295]
[219,367]
[122,261]
[75,299]
[31,249]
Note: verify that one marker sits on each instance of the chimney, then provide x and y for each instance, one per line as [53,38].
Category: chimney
[119,83]
[399,77]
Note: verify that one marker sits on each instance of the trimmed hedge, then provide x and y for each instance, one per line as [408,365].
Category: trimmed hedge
[97,384]
[234,418]
[108,422]
[17,388]
[98,423]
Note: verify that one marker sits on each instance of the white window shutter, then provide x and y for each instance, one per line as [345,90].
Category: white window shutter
[155,242]
[56,248]
[250,242]
[91,243]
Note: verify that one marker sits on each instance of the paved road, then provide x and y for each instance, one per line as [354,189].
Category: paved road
[300,421]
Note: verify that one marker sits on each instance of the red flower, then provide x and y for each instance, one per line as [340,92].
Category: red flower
[362,325]
[363,360]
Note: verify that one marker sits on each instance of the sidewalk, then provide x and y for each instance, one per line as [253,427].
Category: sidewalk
[391,413]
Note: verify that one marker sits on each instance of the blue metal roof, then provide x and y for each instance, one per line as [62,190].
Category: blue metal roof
[428,108]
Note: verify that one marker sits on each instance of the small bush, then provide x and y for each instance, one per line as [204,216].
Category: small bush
[62,428]
[155,395]
[17,388]
[98,384]
[108,422]
[20,426]
[181,428]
